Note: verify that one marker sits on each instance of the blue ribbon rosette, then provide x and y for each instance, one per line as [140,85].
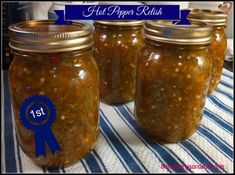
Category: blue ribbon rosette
[38,113]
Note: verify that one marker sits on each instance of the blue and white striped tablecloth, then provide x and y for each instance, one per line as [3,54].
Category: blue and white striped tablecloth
[123,148]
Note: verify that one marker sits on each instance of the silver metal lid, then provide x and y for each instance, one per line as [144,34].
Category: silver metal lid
[43,36]
[163,31]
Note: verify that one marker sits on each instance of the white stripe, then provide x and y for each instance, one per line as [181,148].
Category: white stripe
[221,112]
[28,166]
[2,128]
[228,84]
[221,106]
[225,89]
[221,102]
[217,117]
[228,80]
[131,106]
[86,165]
[15,141]
[226,100]
[110,143]
[78,167]
[227,72]
[204,144]
[124,144]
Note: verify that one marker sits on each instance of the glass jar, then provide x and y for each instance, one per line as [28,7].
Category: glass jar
[116,48]
[217,20]
[56,62]
[172,80]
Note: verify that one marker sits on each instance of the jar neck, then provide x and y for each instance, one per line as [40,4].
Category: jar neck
[219,27]
[24,54]
[172,47]
[117,27]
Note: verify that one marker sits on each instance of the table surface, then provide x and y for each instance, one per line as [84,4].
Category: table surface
[122,146]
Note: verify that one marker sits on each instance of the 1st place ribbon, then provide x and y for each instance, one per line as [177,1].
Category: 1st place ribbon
[122,12]
[38,113]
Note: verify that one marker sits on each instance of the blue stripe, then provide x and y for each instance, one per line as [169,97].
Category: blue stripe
[226,84]
[53,170]
[222,103]
[194,150]
[114,150]
[134,167]
[10,159]
[219,145]
[100,160]
[92,164]
[227,75]
[219,121]
[219,105]
[152,145]
[17,144]
[228,96]
[223,88]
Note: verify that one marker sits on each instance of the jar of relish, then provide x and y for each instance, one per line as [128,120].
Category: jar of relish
[173,76]
[217,20]
[56,62]
[116,48]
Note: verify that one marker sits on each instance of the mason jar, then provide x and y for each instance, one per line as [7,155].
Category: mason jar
[54,62]
[217,20]
[116,48]
[173,76]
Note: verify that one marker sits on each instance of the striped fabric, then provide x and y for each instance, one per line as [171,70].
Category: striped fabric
[123,148]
